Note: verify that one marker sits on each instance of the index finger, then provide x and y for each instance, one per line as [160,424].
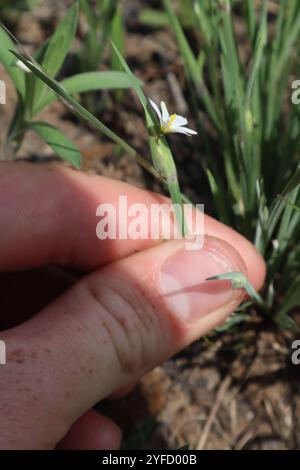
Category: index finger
[48,216]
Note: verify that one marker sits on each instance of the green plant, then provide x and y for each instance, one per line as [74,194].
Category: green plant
[104,20]
[164,167]
[252,160]
[34,95]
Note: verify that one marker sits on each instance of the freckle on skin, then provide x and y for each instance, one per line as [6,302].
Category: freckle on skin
[91,373]
[17,356]
[16,353]
[47,350]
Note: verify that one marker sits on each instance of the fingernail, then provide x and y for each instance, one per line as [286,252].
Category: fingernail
[182,279]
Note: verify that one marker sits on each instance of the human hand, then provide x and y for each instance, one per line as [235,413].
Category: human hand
[73,342]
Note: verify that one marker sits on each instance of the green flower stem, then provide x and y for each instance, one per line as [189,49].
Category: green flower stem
[165,172]
[164,163]
[176,197]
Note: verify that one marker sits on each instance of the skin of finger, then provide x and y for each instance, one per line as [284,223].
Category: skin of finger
[70,259]
[24,186]
[37,229]
[71,361]
[92,431]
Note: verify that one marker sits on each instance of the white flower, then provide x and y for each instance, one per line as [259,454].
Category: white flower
[22,66]
[173,123]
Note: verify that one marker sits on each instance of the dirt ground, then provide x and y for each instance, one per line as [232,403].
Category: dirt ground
[236,390]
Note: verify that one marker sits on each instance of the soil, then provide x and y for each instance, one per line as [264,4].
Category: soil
[236,390]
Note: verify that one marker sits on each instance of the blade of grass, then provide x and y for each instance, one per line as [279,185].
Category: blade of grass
[17,76]
[279,204]
[83,82]
[56,51]
[60,144]
[118,38]
[251,18]
[84,114]
[190,61]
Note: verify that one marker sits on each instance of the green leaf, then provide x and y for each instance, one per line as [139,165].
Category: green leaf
[57,49]
[289,203]
[81,112]
[190,61]
[6,57]
[293,183]
[153,18]
[185,49]
[59,143]
[285,322]
[118,38]
[251,19]
[238,280]
[74,105]
[86,8]
[89,81]
[280,203]
[232,321]
[136,86]
[160,150]
[257,56]
[60,42]
[95,39]
[218,195]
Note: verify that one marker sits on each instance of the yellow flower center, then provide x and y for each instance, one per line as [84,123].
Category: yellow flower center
[165,128]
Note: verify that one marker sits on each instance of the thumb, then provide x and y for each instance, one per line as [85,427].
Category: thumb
[109,329]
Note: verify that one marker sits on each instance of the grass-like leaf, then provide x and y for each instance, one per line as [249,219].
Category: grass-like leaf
[18,77]
[56,51]
[57,140]
[80,111]
[89,81]
[239,281]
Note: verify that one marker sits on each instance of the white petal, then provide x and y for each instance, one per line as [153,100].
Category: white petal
[179,121]
[184,130]
[156,108]
[165,114]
